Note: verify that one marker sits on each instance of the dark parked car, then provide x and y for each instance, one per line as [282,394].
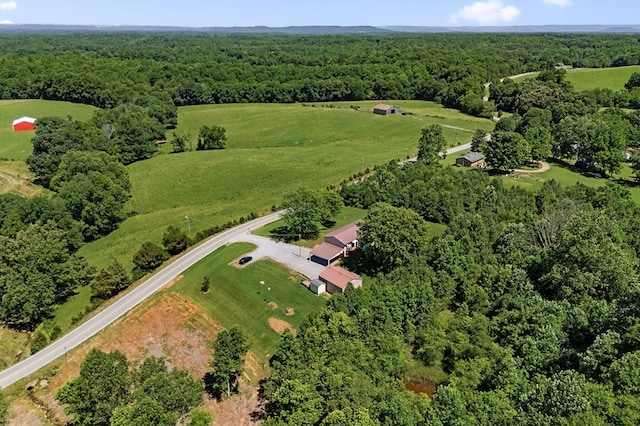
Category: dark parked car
[245,259]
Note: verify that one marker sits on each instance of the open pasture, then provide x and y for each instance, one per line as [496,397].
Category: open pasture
[591,78]
[271,149]
[17,145]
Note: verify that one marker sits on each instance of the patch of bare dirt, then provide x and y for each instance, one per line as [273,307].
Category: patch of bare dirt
[289,311]
[279,326]
[272,305]
[23,413]
[168,326]
[17,182]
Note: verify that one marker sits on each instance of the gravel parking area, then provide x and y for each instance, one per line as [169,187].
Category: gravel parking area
[293,257]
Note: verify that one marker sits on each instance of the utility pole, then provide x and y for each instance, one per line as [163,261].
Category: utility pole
[186,217]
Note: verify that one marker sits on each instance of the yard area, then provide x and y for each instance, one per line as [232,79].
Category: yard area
[238,297]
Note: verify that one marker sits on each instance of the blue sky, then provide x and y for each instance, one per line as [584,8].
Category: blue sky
[277,13]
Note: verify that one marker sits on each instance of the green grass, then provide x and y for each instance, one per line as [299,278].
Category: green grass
[591,78]
[236,296]
[346,216]
[17,145]
[604,78]
[272,148]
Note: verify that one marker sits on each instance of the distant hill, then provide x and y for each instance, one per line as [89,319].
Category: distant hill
[620,29]
[35,28]
[299,30]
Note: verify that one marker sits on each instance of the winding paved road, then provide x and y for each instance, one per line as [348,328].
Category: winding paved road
[136,296]
[127,302]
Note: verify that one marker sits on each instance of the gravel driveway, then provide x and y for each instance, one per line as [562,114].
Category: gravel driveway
[293,257]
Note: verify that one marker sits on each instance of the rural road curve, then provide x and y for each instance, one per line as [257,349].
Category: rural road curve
[136,296]
[127,302]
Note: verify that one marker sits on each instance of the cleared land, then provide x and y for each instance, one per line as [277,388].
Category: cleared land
[591,78]
[271,149]
[238,297]
[17,145]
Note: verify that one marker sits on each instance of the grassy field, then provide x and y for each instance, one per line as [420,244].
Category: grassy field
[591,78]
[17,145]
[271,149]
[237,297]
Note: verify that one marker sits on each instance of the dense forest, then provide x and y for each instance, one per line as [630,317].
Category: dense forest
[524,312]
[165,70]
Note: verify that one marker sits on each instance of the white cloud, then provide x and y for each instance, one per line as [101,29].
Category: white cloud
[8,5]
[486,13]
[561,3]
[5,22]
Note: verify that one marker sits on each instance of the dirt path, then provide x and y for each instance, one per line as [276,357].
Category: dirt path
[545,167]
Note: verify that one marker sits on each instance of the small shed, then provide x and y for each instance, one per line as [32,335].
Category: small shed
[472,159]
[384,109]
[317,286]
[24,124]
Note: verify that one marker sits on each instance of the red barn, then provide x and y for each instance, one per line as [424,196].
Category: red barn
[24,123]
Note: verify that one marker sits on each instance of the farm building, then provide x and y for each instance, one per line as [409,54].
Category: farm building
[384,109]
[337,279]
[336,245]
[24,123]
[472,159]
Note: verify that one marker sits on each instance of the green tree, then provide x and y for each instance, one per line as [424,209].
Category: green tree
[143,412]
[149,256]
[478,140]
[176,391]
[175,240]
[635,165]
[431,144]
[633,82]
[4,405]
[507,150]
[200,417]
[36,272]
[131,130]
[296,403]
[308,211]
[206,283]
[227,365]
[76,162]
[110,281]
[96,201]
[392,236]
[39,341]
[180,141]
[101,387]
[211,137]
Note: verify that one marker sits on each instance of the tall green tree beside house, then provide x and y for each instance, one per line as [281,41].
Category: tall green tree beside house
[507,150]
[308,211]
[431,144]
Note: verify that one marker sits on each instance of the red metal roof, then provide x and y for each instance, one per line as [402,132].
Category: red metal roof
[338,276]
[326,251]
[383,106]
[346,234]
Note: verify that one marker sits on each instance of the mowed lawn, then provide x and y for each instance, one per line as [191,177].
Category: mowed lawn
[237,297]
[17,145]
[591,78]
[271,149]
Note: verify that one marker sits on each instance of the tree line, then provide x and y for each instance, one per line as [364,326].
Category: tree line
[162,71]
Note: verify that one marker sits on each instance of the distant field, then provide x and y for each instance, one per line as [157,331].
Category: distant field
[237,297]
[591,78]
[272,148]
[17,145]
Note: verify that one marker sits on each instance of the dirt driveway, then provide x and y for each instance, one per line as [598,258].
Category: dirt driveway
[293,257]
